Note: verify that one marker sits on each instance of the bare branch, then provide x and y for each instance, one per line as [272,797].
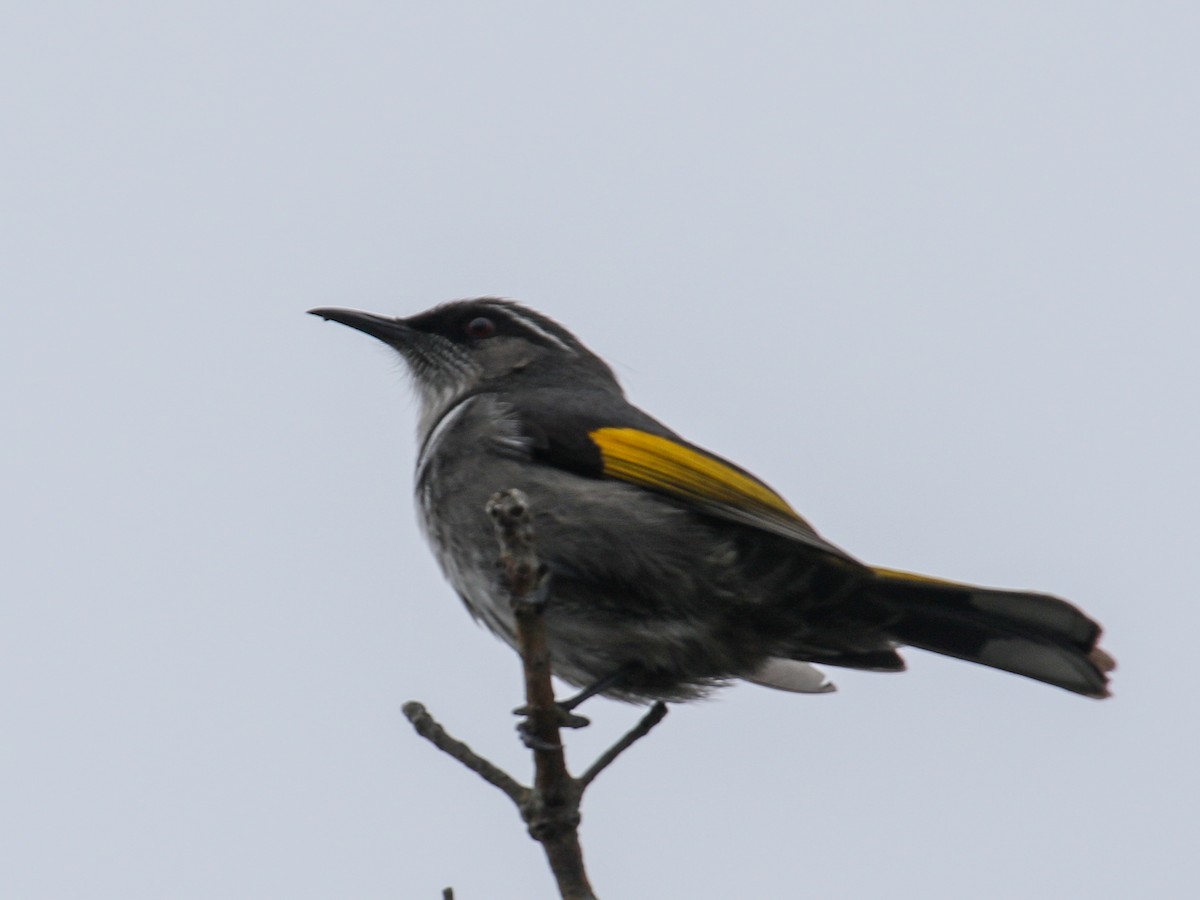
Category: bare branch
[553,811]
[430,729]
[656,714]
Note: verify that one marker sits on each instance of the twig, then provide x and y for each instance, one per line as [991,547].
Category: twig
[635,734]
[429,728]
[553,811]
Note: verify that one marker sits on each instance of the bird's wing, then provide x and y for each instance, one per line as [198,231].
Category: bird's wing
[642,452]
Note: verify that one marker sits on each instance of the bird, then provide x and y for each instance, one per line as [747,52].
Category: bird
[670,570]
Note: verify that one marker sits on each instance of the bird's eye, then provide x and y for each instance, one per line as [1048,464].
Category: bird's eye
[481,327]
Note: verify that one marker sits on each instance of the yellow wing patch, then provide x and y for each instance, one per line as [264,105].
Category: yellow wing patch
[897,575]
[658,462]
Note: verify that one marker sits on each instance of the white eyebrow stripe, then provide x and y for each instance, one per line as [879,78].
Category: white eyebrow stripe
[534,327]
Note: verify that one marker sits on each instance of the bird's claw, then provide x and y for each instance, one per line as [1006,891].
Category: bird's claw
[566,718]
[531,740]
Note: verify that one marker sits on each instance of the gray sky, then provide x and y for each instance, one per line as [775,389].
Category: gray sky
[929,269]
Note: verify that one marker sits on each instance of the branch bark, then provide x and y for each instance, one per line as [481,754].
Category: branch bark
[552,813]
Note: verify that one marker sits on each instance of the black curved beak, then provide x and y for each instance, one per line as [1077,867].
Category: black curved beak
[391,331]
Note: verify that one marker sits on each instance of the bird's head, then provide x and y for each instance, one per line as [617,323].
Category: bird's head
[467,346]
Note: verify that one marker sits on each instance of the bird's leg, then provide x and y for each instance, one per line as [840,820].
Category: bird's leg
[599,686]
[567,717]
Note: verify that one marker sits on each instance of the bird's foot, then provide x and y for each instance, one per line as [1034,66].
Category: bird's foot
[566,718]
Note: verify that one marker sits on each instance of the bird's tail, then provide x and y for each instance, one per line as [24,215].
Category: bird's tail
[1034,635]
